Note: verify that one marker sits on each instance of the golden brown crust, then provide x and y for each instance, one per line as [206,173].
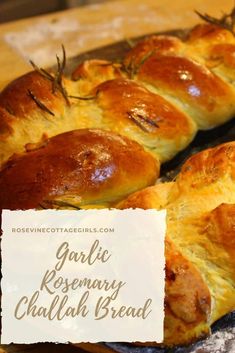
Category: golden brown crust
[132,110]
[87,165]
[220,228]
[223,53]
[152,197]
[207,167]
[6,120]
[122,96]
[184,85]
[16,100]
[197,216]
[202,230]
[30,108]
[92,72]
[210,33]
[89,69]
[180,72]
[156,44]
[160,127]
[217,233]
[192,84]
[200,263]
[94,168]
[206,180]
[213,46]
[187,298]
[202,239]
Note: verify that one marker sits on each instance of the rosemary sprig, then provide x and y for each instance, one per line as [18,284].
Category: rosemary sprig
[141,121]
[84,98]
[226,21]
[58,84]
[130,42]
[87,98]
[57,78]
[129,69]
[41,71]
[58,204]
[132,69]
[39,103]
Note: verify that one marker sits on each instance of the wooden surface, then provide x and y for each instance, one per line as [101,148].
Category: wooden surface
[79,30]
[84,28]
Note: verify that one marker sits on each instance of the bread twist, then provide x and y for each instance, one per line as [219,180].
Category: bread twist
[163,92]
[76,169]
[200,245]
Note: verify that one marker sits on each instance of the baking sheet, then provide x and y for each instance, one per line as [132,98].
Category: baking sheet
[222,339]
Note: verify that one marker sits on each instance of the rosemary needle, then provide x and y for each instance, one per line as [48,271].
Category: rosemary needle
[39,103]
[226,21]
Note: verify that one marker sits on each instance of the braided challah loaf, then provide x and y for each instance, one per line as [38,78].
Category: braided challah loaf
[163,92]
[76,169]
[184,75]
[68,143]
[200,241]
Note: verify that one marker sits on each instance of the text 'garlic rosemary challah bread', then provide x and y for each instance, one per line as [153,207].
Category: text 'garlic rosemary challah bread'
[76,169]
[201,224]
